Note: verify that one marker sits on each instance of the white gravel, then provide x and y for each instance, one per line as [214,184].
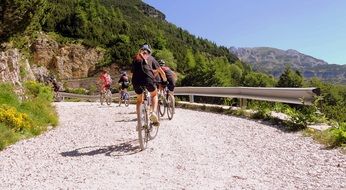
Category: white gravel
[95,147]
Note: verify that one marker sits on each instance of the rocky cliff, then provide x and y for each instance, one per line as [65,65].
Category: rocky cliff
[67,61]
[49,58]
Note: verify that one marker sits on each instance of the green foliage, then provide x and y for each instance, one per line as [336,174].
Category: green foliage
[338,135]
[118,26]
[7,96]
[39,90]
[18,16]
[254,79]
[167,56]
[333,100]
[333,137]
[26,118]
[7,136]
[77,90]
[290,79]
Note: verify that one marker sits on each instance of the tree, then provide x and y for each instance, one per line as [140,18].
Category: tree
[290,79]
[255,79]
[167,56]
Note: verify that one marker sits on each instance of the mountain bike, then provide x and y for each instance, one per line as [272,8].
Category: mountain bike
[124,97]
[106,96]
[166,102]
[58,97]
[147,131]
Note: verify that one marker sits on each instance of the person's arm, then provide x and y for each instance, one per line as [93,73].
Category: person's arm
[162,74]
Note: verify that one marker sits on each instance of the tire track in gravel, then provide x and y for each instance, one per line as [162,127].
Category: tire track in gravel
[95,147]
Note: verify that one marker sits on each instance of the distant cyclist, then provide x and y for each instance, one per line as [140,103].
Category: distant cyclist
[123,83]
[170,75]
[144,69]
[105,81]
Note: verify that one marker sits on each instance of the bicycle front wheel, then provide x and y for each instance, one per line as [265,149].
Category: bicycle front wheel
[161,106]
[108,97]
[102,98]
[142,131]
[153,130]
[170,106]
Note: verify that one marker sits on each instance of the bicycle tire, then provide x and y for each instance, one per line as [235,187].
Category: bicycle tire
[108,96]
[153,130]
[161,106]
[142,131]
[170,106]
[102,98]
[127,99]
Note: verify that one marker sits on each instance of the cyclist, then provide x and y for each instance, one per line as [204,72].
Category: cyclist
[144,69]
[170,75]
[105,81]
[123,83]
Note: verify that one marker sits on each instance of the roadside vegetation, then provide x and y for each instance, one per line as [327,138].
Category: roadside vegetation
[20,119]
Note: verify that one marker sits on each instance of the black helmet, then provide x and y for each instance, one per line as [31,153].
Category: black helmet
[146,47]
[162,62]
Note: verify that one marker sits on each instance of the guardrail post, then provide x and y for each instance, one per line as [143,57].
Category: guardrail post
[191,99]
[243,103]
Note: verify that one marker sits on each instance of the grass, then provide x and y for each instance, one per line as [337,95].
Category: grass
[20,119]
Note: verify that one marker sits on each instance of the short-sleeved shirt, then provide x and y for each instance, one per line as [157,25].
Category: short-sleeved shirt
[143,70]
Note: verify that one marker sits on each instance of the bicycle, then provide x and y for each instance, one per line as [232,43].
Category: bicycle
[124,97]
[147,131]
[58,97]
[106,96]
[166,102]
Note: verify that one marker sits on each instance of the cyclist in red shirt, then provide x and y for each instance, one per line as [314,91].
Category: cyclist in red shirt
[105,81]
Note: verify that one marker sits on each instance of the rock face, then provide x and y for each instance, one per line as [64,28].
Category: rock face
[10,67]
[271,57]
[65,62]
[151,11]
[69,61]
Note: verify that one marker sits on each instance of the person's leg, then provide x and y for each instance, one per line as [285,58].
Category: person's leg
[139,100]
[153,93]
[154,100]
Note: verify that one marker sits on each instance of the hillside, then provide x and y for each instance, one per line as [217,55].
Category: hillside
[119,27]
[273,61]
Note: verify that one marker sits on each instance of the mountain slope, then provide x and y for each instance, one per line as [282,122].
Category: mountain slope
[273,61]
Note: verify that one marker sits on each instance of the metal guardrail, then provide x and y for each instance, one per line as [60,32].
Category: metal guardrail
[285,95]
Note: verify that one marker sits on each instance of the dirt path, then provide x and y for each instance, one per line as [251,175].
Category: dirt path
[95,147]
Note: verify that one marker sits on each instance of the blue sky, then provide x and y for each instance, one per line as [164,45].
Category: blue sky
[313,27]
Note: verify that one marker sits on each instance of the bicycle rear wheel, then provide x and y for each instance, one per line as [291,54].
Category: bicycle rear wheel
[127,99]
[142,131]
[170,106]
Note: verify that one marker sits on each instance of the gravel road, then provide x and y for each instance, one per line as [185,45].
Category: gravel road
[96,147]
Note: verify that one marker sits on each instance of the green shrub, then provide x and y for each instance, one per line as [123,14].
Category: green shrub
[7,136]
[7,96]
[337,136]
[27,118]
[39,90]
[77,90]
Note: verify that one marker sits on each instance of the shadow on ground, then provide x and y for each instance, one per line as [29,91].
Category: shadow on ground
[122,149]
